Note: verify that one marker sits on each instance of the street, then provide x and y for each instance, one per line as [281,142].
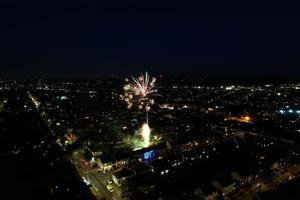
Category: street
[98,180]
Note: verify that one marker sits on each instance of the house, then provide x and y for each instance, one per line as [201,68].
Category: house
[121,176]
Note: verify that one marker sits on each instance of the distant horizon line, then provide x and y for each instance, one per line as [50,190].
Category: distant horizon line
[208,78]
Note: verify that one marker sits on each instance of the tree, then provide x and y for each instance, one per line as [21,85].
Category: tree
[87,155]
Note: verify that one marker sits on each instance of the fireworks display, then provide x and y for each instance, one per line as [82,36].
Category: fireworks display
[145,131]
[139,91]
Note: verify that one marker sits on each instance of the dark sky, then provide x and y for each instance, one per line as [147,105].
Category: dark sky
[71,39]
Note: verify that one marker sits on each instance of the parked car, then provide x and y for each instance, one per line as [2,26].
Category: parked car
[110,188]
[109,181]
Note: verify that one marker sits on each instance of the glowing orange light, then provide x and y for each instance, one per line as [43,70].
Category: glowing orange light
[247,118]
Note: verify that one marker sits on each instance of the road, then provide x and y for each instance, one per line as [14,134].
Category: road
[97,179]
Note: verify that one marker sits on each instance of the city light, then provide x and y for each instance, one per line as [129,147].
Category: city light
[289,111]
[247,118]
[106,100]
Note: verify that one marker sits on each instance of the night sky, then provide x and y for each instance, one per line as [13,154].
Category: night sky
[174,39]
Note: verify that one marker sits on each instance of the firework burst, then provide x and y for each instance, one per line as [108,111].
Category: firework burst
[139,91]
